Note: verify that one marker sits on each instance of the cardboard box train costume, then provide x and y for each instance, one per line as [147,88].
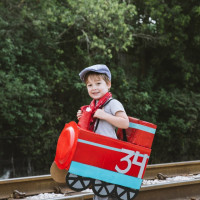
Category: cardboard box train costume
[109,166]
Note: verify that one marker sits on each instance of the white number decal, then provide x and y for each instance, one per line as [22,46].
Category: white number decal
[127,159]
[135,162]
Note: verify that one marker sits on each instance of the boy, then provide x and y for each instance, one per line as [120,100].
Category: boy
[104,121]
[98,82]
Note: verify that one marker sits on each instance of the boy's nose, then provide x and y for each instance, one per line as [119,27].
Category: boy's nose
[94,87]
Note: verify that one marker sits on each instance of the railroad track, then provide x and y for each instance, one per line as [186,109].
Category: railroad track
[12,188]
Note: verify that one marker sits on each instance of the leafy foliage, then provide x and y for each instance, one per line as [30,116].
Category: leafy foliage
[99,23]
[152,49]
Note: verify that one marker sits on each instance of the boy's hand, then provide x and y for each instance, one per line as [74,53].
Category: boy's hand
[79,114]
[100,113]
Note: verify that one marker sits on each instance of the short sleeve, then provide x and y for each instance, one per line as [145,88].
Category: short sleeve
[114,106]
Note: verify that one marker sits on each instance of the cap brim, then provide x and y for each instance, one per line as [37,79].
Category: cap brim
[84,72]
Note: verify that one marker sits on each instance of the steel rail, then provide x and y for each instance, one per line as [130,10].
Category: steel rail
[173,169]
[170,191]
[42,184]
[30,186]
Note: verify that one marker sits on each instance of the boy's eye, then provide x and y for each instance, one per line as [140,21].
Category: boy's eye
[98,83]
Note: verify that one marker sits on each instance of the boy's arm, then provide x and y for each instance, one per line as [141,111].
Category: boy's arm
[119,120]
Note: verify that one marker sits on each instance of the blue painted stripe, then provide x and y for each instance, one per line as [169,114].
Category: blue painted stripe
[142,127]
[105,175]
[104,146]
[100,145]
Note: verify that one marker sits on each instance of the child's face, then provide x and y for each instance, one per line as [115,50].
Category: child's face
[97,87]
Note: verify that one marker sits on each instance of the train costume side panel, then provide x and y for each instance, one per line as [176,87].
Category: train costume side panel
[109,160]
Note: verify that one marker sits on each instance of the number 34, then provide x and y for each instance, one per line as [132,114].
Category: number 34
[134,161]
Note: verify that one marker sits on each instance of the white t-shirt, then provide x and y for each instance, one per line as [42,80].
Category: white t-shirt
[105,128]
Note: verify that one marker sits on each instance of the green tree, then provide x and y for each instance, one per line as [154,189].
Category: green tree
[151,48]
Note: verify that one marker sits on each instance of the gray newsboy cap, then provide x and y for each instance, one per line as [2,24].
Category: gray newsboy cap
[100,68]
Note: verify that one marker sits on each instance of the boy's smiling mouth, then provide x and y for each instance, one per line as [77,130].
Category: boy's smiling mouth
[95,92]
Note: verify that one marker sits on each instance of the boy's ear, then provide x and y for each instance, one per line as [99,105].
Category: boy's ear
[109,85]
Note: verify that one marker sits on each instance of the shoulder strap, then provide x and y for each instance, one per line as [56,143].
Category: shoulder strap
[106,103]
[97,123]
[124,135]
